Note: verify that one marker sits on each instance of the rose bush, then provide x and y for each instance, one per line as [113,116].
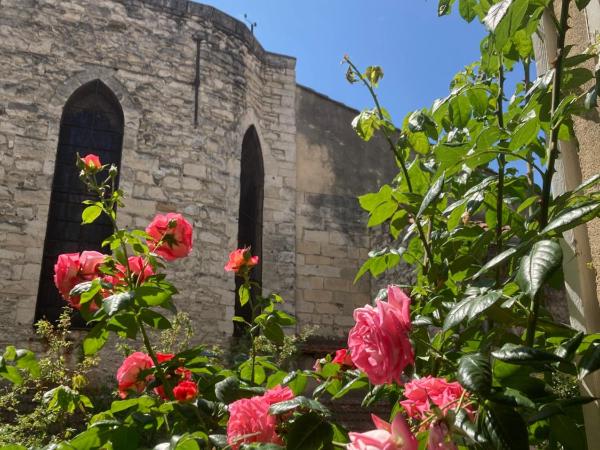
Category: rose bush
[467,356]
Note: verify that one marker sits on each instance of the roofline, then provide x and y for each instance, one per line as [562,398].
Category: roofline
[329,99]
[224,22]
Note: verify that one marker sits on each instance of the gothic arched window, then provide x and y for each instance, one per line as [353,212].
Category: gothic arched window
[250,221]
[91,122]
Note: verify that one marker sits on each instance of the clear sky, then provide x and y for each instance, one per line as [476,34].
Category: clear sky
[419,52]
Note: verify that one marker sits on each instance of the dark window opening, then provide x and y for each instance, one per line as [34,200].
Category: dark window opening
[250,228]
[92,122]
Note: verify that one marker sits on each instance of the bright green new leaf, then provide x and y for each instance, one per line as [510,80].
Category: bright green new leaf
[434,192]
[468,9]
[524,134]
[90,214]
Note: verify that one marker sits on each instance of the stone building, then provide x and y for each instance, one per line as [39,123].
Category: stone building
[201,120]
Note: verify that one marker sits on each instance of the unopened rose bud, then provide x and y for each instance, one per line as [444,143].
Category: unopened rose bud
[112,172]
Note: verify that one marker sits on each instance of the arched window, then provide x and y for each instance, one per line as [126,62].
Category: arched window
[250,221]
[91,122]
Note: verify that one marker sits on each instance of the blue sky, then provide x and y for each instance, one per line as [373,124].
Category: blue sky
[418,51]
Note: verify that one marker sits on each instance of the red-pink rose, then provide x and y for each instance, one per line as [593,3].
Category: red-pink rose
[421,392]
[185,391]
[74,268]
[180,373]
[171,236]
[439,437]
[92,161]
[128,374]
[394,436]
[343,358]
[379,343]
[250,421]
[139,268]
[241,259]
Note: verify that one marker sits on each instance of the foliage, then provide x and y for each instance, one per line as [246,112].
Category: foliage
[475,360]
[44,400]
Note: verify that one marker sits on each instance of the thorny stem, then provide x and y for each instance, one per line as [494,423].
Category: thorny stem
[501,172]
[398,156]
[552,150]
[530,163]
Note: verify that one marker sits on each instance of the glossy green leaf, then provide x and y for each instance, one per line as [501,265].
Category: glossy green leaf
[154,319]
[475,373]
[503,428]
[522,355]
[117,302]
[298,403]
[460,111]
[152,295]
[244,294]
[524,134]
[495,14]
[590,361]
[544,258]
[382,213]
[581,3]
[444,7]
[572,217]
[568,348]
[432,194]
[470,308]
[309,431]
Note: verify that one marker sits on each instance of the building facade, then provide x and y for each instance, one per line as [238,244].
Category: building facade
[202,121]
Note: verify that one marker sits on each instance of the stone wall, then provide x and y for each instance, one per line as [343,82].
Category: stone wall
[334,167]
[145,52]
[314,235]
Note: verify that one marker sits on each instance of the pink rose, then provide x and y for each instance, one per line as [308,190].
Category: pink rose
[171,236]
[422,391]
[278,394]
[74,268]
[136,264]
[439,438]
[185,391]
[250,421]
[92,161]
[128,373]
[343,358]
[379,343]
[394,436]
[240,260]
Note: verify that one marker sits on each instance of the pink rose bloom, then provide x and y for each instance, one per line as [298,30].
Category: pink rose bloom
[181,373]
[278,394]
[379,343]
[241,259]
[439,438]
[128,373]
[74,268]
[250,421]
[175,233]
[136,264]
[343,358]
[185,391]
[92,161]
[420,392]
[394,436]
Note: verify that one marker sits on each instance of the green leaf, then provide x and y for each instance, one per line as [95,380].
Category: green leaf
[524,134]
[95,339]
[495,14]
[444,7]
[365,124]
[152,295]
[544,258]
[590,361]
[460,111]
[467,9]
[581,4]
[154,319]
[369,202]
[570,346]
[419,142]
[117,302]
[227,390]
[499,259]
[503,428]
[512,397]
[470,308]
[475,373]
[26,360]
[309,431]
[572,217]
[90,214]
[479,100]
[244,294]
[432,194]
[521,355]
[382,213]
[299,402]
[511,22]
[273,332]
